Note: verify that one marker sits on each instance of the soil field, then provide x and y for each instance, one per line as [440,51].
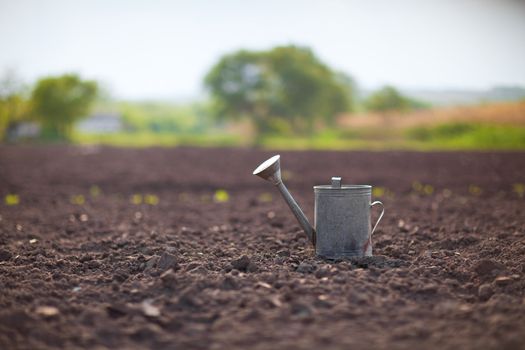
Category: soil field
[104,248]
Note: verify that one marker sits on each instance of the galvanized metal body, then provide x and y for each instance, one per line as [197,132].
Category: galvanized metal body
[342,214]
[342,220]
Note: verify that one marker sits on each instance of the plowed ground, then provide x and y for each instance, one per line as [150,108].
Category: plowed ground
[132,249]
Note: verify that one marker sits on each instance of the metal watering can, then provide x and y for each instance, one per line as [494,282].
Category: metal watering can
[341,214]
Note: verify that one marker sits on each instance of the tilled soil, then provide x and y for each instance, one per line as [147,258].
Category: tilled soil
[185,249]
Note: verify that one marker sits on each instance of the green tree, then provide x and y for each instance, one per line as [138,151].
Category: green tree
[389,99]
[58,102]
[284,89]
[14,106]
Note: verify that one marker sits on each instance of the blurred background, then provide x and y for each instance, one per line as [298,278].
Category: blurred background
[438,74]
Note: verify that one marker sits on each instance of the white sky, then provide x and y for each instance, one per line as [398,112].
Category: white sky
[163,49]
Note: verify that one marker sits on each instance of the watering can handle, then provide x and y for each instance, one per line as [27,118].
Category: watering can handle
[380,216]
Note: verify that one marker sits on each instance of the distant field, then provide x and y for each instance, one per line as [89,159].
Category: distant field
[149,139]
[491,126]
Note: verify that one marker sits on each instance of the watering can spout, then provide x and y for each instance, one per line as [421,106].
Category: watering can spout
[270,170]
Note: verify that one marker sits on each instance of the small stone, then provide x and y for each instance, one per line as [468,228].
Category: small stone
[47,311]
[168,278]
[465,307]
[305,268]
[192,265]
[252,267]
[241,264]
[300,310]
[275,301]
[502,281]
[229,283]
[429,288]
[340,279]
[167,261]
[116,310]
[85,258]
[151,263]
[120,276]
[94,264]
[503,300]
[279,260]
[5,255]
[187,299]
[283,253]
[323,301]
[150,310]
[403,227]
[485,291]
[201,270]
[322,272]
[263,285]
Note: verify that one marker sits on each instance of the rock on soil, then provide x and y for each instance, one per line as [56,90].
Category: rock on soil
[5,255]
[305,268]
[168,261]
[244,264]
[485,291]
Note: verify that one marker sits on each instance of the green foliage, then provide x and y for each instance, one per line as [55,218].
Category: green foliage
[14,106]
[13,109]
[59,102]
[163,118]
[389,99]
[284,89]
[443,131]
[470,136]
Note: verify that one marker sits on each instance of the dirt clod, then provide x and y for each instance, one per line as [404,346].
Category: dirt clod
[151,263]
[167,261]
[489,268]
[305,267]
[485,291]
[5,255]
[241,263]
[168,278]
[283,253]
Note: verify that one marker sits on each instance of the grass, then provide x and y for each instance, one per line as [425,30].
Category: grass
[450,136]
[499,126]
[469,136]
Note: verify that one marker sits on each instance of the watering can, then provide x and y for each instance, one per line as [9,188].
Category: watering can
[341,214]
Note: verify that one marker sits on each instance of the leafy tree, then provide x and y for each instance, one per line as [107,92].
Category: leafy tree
[284,89]
[389,99]
[59,102]
[14,106]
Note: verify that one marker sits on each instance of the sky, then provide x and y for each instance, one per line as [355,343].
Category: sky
[156,49]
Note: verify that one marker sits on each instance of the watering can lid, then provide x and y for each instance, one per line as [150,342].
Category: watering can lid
[336,185]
